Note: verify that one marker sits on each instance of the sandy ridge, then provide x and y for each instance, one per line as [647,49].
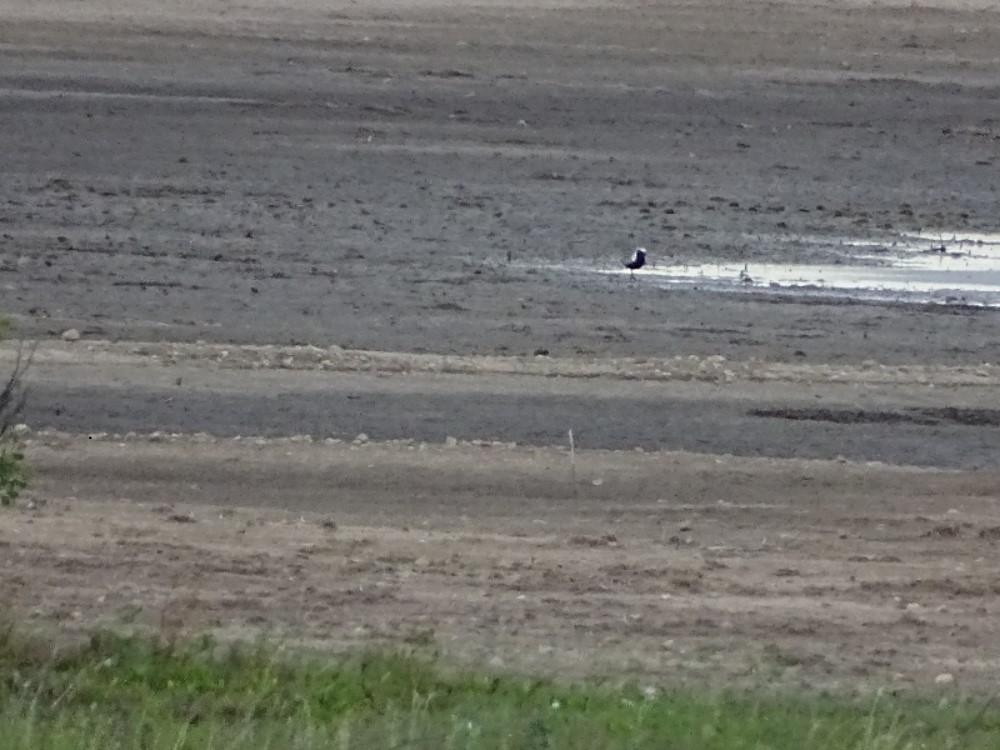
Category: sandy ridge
[712,369]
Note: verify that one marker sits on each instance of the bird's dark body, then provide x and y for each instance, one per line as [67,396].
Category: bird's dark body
[637,261]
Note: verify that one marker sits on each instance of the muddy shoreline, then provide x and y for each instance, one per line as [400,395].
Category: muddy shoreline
[362,180]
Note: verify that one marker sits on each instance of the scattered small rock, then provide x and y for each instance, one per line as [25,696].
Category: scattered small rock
[944,532]
[361,439]
[71,334]
[945,678]
[608,540]
[450,442]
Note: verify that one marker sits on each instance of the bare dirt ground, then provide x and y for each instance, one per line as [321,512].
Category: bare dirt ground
[400,179]
[666,567]
[924,415]
[700,568]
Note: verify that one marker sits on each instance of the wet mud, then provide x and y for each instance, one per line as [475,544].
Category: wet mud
[400,186]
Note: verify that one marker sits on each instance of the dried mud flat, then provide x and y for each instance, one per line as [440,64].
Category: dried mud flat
[360,203]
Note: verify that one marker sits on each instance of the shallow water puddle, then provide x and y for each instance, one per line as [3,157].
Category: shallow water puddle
[947,269]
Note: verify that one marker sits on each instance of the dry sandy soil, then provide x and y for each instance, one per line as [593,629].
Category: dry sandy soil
[220,196]
[706,568]
[673,567]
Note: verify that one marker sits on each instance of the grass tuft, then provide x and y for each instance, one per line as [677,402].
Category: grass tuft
[13,476]
[138,692]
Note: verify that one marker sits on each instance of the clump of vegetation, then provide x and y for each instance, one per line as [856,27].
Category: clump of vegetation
[140,692]
[13,475]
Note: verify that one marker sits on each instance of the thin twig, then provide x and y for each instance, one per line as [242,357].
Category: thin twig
[14,393]
[572,462]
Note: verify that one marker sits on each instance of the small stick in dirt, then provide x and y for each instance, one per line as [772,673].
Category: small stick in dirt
[572,462]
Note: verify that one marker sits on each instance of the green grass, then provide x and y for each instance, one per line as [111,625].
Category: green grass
[13,475]
[117,692]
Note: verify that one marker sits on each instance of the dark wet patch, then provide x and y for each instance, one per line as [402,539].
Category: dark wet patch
[449,73]
[348,407]
[925,416]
